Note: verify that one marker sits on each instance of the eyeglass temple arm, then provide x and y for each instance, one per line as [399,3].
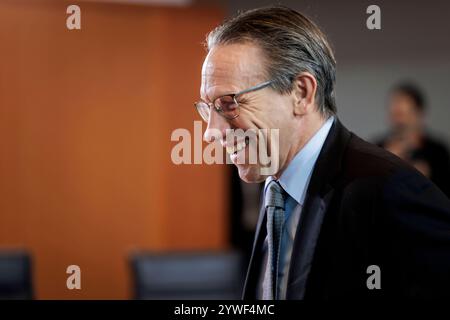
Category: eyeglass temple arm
[257,87]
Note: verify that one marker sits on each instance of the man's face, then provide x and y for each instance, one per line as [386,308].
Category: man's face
[403,114]
[232,68]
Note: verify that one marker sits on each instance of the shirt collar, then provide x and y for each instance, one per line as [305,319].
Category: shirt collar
[294,180]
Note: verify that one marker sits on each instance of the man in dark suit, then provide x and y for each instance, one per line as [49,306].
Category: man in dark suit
[340,217]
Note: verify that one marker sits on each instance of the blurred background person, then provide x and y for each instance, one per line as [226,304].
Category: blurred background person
[409,138]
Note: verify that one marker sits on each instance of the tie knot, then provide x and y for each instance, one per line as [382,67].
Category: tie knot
[274,195]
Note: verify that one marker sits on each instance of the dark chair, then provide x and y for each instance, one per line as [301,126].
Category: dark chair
[192,276]
[15,275]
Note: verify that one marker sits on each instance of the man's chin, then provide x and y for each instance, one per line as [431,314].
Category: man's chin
[250,174]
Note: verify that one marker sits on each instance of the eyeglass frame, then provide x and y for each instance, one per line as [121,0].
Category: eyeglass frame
[220,111]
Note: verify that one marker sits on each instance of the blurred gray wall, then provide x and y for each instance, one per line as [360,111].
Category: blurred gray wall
[413,44]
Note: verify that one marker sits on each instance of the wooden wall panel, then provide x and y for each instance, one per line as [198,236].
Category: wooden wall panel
[85,123]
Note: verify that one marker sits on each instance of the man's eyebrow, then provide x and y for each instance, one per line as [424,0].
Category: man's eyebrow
[224,93]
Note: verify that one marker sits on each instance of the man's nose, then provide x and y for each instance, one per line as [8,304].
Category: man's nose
[217,126]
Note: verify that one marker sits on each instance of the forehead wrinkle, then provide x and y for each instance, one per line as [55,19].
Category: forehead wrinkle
[217,81]
[216,85]
[230,68]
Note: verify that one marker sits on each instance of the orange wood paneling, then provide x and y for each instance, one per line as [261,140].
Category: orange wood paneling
[85,123]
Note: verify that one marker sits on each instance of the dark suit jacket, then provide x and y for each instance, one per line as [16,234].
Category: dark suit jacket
[434,153]
[364,207]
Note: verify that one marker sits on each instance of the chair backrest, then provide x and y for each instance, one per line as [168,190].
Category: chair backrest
[196,275]
[15,275]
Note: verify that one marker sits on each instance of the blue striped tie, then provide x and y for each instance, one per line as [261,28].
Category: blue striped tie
[274,201]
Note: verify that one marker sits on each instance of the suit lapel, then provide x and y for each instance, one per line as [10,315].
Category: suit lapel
[305,244]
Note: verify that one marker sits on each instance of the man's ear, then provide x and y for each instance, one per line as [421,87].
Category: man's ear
[304,92]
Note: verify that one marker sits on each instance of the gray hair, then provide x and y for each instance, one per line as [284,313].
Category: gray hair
[291,43]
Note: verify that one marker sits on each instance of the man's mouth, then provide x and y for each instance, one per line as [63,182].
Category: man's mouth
[233,150]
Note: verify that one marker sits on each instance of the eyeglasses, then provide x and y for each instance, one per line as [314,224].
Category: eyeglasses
[226,105]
